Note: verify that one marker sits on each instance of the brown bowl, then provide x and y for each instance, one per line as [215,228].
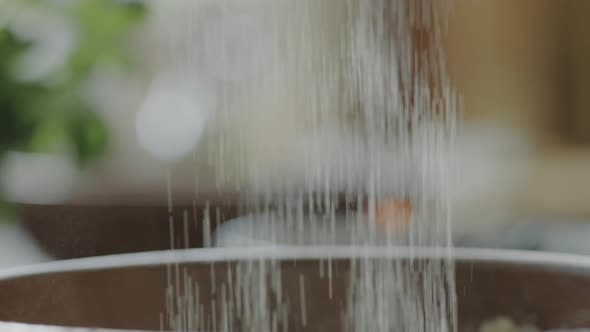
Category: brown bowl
[84,230]
[128,291]
[113,225]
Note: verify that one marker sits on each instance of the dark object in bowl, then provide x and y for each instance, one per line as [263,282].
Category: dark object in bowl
[128,291]
[115,225]
[83,230]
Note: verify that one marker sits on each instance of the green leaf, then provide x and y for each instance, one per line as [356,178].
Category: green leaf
[10,49]
[103,28]
[89,136]
[16,125]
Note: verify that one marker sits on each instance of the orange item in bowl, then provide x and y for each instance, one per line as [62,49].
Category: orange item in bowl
[392,214]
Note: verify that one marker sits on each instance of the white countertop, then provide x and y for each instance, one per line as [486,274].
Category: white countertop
[17,248]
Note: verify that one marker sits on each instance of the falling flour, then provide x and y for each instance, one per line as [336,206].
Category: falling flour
[361,87]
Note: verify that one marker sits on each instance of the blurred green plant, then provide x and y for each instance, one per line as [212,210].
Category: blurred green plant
[50,115]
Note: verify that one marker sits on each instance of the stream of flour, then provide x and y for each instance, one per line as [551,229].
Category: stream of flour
[361,87]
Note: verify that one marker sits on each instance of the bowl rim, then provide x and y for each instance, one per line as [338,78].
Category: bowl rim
[21,327]
[211,255]
[277,252]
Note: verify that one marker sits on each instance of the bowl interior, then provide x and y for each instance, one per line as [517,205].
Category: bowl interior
[133,297]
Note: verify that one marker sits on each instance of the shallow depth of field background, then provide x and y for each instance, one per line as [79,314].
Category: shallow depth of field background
[522,65]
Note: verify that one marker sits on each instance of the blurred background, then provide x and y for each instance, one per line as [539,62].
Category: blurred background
[77,181]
